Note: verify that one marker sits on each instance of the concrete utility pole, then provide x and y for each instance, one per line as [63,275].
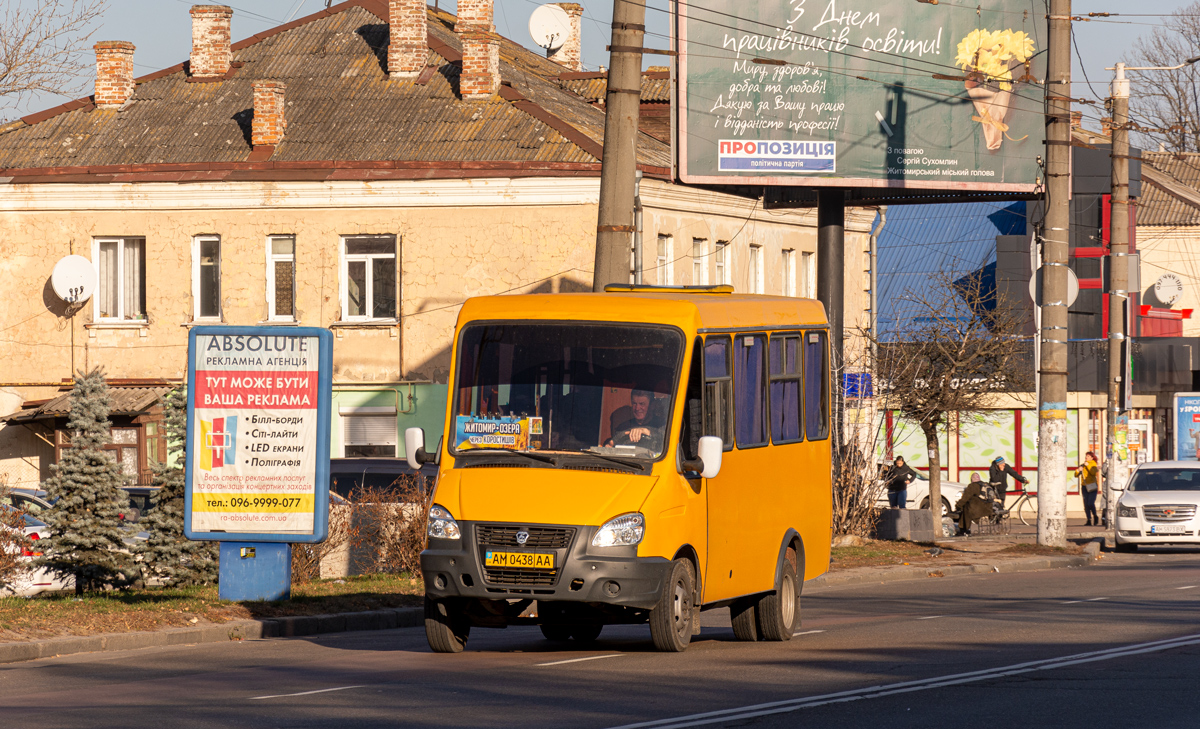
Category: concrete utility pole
[831,257]
[1052,397]
[1118,288]
[622,103]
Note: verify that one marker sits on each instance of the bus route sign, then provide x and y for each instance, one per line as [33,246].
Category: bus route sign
[258,434]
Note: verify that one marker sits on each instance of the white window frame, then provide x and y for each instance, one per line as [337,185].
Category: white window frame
[272,259]
[699,261]
[756,269]
[789,272]
[344,276]
[197,240]
[808,274]
[665,260]
[722,262]
[120,317]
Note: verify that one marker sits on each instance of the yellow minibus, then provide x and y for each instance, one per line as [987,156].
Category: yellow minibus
[632,456]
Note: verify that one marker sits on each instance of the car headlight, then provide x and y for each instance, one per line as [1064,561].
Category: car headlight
[1123,510]
[442,525]
[622,531]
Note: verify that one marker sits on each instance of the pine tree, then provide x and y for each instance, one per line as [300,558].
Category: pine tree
[168,554]
[86,539]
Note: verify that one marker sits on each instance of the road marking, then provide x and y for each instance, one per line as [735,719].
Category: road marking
[306,693]
[1096,599]
[1185,587]
[1071,602]
[931,617]
[873,692]
[579,660]
[807,632]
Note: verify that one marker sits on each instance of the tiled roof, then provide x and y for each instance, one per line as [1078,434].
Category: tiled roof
[1172,195]
[656,86]
[124,401]
[343,111]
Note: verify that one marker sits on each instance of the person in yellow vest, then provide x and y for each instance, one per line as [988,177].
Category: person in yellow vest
[1088,474]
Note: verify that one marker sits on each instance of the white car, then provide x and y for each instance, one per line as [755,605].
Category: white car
[36,579]
[1158,506]
[918,494]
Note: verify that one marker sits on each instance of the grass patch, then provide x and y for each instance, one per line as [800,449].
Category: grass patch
[879,554]
[49,616]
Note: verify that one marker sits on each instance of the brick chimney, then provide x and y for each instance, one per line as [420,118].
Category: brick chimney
[570,54]
[409,46]
[114,73]
[266,129]
[211,52]
[1077,119]
[480,77]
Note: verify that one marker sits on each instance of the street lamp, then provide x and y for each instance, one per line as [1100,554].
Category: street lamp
[1118,281]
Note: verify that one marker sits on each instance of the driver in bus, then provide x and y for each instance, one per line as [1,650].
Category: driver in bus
[643,428]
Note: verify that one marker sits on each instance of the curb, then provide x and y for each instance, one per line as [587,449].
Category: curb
[288,627]
[923,573]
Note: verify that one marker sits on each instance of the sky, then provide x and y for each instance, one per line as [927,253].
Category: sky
[161,30]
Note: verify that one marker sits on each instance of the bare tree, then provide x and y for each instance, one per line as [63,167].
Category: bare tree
[958,350]
[44,46]
[1168,100]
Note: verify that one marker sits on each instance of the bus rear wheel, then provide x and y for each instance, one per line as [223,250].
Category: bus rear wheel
[445,628]
[778,613]
[671,618]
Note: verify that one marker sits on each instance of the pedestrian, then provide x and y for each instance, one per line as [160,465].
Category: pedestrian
[897,477]
[998,477]
[1087,473]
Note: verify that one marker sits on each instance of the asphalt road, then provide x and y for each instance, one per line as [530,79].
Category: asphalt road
[1116,644]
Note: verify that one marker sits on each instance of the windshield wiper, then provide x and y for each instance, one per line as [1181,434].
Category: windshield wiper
[627,462]
[540,457]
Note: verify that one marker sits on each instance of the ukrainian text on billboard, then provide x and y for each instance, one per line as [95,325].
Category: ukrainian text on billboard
[254,433]
[896,94]
[1187,427]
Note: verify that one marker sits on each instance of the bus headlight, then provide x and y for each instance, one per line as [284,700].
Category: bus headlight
[622,531]
[442,525]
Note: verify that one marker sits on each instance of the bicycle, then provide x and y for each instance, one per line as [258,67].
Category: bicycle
[1026,508]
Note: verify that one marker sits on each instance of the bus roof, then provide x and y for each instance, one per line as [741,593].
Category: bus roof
[688,310]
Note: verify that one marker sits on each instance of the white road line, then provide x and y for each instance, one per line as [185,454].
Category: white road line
[1096,599]
[807,632]
[1186,587]
[783,707]
[1071,602]
[305,693]
[579,660]
[931,617]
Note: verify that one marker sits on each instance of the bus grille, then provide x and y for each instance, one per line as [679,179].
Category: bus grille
[497,535]
[520,576]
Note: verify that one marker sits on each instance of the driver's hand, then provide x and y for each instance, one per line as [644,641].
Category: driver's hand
[636,434]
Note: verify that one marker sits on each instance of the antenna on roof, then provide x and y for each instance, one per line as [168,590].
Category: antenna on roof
[550,27]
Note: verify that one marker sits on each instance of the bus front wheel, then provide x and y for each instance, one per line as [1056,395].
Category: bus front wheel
[671,618]
[445,628]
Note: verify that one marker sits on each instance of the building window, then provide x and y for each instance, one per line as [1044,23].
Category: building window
[718,390]
[368,431]
[808,276]
[281,278]
[816,386]
[664,262]
[369,278]
[722,262]
[786,404]
[750,389]
[756,269]
[121,289]
[699,262]
[206,276]
[789,272]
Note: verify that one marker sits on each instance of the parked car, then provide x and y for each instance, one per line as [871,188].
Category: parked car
[39,579]
[1158,505]
[350,476]
[918,494]
[31,501]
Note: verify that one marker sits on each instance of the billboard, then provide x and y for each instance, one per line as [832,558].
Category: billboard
[861,93]
[258,434]
[1187,426]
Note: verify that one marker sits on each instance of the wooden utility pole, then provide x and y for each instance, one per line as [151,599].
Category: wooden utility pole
[622,102]
[1056,236]
[1118,285]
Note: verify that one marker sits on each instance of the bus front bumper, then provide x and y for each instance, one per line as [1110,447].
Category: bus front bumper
[582,573]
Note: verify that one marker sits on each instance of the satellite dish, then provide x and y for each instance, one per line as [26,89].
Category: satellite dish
[1035,287]
[74,279]
[550,27]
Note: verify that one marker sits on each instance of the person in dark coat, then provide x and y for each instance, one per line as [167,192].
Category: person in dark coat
[897,477]
[998,477]
[973,505]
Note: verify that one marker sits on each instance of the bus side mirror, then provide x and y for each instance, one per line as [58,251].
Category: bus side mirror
[710,452]
[414,449]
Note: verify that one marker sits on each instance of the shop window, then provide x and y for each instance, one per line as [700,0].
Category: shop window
[369,431]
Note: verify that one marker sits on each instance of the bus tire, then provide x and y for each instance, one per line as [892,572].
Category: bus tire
[556,633]
[741,615]
[587,633]
[778,613]
[671,618]
[445,629]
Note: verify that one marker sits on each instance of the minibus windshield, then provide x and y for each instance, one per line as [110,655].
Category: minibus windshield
[565,388]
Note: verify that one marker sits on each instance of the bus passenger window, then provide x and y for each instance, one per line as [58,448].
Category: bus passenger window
[693,407]
[718,390]
[816,385]
[750,389]
[785,390]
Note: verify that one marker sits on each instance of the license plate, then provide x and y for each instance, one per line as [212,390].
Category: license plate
[529,560]
[1169,529]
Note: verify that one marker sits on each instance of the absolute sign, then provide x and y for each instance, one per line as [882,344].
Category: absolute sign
[256,436]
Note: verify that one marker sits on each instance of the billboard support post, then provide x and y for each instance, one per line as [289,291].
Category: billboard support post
[831,255]
[1056,236]
[254,571]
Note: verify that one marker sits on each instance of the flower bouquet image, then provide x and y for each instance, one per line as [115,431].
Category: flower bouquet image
[989,57]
